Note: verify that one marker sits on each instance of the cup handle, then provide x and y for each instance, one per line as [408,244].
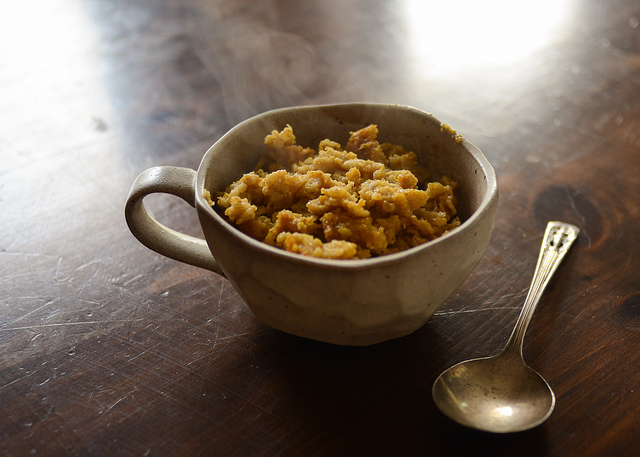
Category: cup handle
[176,181]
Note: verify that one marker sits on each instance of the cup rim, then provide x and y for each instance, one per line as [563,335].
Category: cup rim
[476,153]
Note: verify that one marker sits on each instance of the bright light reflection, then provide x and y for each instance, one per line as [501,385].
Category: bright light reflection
[51,71]
[505,411]
[450,35]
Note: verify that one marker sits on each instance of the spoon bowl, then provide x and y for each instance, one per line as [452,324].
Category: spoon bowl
[502,393]
[495,394]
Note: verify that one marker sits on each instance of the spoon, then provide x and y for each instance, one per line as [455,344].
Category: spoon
[502,393]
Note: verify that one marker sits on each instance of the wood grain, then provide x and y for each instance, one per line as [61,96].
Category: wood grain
[109,349]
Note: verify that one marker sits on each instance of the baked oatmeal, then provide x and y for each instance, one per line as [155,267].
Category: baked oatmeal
[365,199]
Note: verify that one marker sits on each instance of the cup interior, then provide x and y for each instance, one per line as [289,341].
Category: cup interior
[438,149]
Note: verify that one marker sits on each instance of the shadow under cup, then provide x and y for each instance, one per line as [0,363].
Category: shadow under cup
[352,302]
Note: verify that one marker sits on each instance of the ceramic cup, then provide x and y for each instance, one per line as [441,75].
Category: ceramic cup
[348,302]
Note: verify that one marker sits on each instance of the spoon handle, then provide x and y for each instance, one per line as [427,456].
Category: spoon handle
[558,238]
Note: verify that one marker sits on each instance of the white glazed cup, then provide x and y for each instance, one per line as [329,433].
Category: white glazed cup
[349,302]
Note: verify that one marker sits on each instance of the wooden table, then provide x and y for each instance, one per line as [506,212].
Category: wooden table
[109,349]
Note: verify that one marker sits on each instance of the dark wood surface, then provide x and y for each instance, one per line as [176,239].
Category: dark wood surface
[108,349]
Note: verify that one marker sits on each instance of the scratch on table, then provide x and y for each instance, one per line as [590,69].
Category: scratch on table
[93,302]
[269,410]
[60,324]
[217,318]
[14,276]
[35,310]
[579,214]
[491,305]
[135,278]
[85,265]
[144,350]
[474,310]
[10,383]
[47,415]
[113,405]
[141,409]
[213,355]
[56,274]
[26,254]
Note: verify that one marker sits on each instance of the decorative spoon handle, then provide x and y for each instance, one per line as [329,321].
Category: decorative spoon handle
[558,238]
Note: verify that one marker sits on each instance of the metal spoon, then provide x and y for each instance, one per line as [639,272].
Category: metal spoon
[502,393]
